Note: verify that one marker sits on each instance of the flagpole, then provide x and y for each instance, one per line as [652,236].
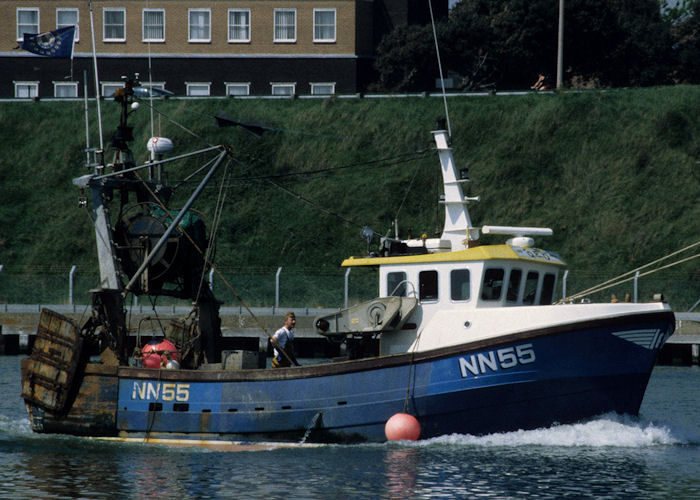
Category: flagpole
[97,80]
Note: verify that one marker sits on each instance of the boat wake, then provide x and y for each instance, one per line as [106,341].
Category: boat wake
[14,427]
[605,431]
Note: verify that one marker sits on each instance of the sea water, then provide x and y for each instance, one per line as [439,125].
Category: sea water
[654,456]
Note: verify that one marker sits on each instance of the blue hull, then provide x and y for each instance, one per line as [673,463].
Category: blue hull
[523,381]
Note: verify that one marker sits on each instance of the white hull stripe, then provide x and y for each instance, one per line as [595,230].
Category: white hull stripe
[649,339]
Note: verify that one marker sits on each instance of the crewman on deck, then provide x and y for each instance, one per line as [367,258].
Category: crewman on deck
[283,342]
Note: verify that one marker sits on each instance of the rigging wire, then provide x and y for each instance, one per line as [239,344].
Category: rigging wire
[390,161]
[216,270]
[408,190]
[618,279]
[442,79]
[178,124]
[413,156]
[220,202]
[313,204]
[280,130]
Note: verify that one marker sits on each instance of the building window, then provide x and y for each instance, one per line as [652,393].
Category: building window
[237,88]
[324,25]
[26,90]
[198,89]
[65,89]
[285,25]
[109,88]
[114,25]
[283,88]
[27,22]
[68,17]
[200,25]
[239,25]
[322,88]
[153,25]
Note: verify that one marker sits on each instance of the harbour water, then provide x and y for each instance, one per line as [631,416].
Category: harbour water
[654,456]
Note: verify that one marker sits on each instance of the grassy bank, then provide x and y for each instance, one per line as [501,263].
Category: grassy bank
[614,174]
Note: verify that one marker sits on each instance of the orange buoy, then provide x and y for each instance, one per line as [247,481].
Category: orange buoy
[402,426]
[157,353]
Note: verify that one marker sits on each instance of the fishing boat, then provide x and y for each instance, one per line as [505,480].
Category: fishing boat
[464,336]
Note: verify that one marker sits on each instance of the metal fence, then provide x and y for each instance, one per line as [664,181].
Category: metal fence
[305,288]
[278,287]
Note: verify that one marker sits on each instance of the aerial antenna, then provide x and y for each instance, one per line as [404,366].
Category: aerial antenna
[97,79]
[442,79]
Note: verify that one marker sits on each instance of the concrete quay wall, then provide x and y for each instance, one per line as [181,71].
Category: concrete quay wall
[240,330]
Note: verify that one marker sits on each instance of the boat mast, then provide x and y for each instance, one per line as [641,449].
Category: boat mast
[458,228]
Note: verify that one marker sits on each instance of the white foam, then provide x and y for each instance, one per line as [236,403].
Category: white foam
[14,426]
[606,431]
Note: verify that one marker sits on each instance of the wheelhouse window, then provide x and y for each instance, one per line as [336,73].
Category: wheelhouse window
[153,25]
[547,296]
[68,17]
[238,25]
[198,89]
[530,292]
[428,285]
[27,22]
[65,89]
[513,289]
[322,88]
[238,89]
[396,284]
[285,25]
[26,90]
[113,25]
[199,25]
[459,284]
[324,25]
[493,284]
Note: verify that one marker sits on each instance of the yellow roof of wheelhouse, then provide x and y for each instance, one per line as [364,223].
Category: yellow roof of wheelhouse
[486,252]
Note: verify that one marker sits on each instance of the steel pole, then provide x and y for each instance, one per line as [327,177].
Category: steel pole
[277,287]
[347,275]
[70,285]
[560,45]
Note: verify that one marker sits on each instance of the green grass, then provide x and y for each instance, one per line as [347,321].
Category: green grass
[615,174]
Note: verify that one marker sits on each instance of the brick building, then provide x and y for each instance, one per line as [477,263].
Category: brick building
[205,47]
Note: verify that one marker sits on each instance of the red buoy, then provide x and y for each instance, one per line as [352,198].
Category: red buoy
[157,353]
[402,426]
